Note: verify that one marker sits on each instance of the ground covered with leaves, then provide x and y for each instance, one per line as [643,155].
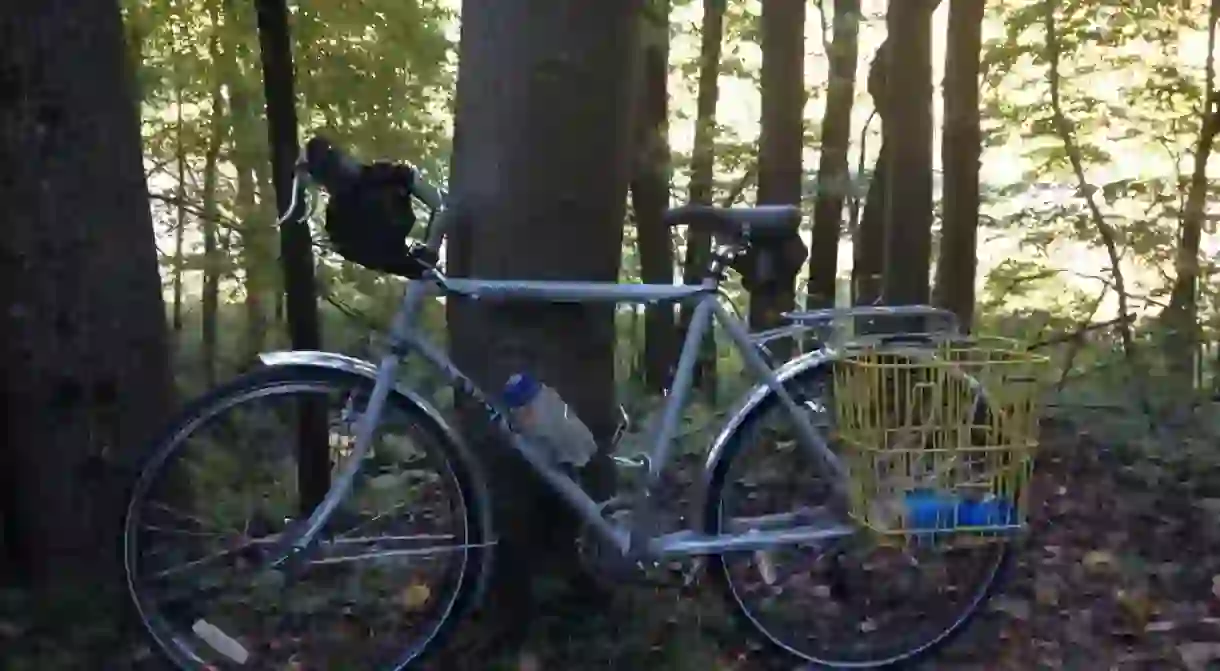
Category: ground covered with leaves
[1121,570]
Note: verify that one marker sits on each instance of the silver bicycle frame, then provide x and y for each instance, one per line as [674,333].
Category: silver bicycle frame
[637,539]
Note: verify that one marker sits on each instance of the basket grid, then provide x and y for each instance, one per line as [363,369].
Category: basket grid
[940,438]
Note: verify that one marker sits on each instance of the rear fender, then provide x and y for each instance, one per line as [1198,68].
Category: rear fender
[746,407]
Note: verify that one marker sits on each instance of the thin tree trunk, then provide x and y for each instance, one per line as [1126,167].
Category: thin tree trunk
[1181,316]
[961,147]
[868,245]
[834,177]
[703,154]
[296,243]
[1109,237]
[650,192]
[780,142]
[180,230]
[211,256]
[254,229]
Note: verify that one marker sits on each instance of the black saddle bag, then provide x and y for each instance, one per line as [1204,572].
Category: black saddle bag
[368,222]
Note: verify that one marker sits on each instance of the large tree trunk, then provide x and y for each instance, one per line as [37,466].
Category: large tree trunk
[650,192]
[961,147]
[540,170]
[82,323]
[908,150]
[702,163]
[834,178]
[780,144]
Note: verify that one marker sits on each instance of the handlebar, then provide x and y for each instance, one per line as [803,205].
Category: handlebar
[335,170]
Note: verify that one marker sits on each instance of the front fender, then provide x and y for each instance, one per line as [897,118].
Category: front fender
[745,407]
[349,364]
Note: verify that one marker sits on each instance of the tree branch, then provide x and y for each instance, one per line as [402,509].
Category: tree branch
[1108,235]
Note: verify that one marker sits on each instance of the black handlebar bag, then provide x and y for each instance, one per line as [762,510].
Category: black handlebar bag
[368,221]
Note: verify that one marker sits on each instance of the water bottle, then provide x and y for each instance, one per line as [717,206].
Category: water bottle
[547,422]
[929,510]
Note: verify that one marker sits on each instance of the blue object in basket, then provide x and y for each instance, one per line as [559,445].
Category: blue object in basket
[931,510]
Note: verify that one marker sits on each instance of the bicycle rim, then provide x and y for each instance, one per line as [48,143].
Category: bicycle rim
[175,642]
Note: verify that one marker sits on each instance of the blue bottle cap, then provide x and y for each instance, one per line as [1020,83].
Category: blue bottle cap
[520,389]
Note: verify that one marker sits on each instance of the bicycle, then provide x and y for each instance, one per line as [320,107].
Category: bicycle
[373,404]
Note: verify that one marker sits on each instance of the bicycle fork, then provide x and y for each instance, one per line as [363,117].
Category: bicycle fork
[300,534]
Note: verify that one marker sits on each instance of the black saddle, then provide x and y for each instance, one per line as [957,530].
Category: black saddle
[764,222]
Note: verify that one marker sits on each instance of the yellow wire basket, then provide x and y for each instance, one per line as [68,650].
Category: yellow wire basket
[939,438]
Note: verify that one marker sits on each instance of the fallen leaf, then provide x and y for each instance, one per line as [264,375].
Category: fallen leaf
[1136,606]
[528,661]
[1099,561]
[766,567]
[1046,593]
[1018,609]
[415,597]
[1197,656]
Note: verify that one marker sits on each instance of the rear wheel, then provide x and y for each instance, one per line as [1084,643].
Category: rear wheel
[395,567]
[849,603]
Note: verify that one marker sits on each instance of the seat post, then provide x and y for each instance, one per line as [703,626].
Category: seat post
[722,259]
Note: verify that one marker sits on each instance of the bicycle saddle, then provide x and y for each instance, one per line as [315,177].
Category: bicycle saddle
[763,222]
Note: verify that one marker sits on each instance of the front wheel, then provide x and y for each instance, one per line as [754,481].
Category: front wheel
[845,604]
[396,565]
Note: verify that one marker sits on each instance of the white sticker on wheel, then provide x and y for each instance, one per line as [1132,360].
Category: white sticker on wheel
[220,641]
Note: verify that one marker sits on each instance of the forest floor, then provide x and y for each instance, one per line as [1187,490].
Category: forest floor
[1121,571]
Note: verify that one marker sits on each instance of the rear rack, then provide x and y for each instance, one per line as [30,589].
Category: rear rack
[865,325]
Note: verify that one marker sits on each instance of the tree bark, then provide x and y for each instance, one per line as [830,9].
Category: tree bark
[780,144]
[180,227]
[834,178]
[868,247]
[256,231]
[908,152]
[1182,315]
[650,192]
[541,162]
[212,261]
[296,244]
[82,323]
[703,156]
[961,147]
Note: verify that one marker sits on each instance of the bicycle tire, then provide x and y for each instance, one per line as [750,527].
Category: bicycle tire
[718,569]
[466,469]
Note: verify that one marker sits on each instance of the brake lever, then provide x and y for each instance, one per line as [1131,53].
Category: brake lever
[300,207]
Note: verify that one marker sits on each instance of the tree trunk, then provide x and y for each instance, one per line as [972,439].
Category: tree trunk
[834,178]
[255,230]
[180,228]
[780,143]
[296,243]
[541,161]
[961,147]
[908,151]
[868,247]
[650,192]
[703,155]
[1181,316]
[83,335]
[212,261]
